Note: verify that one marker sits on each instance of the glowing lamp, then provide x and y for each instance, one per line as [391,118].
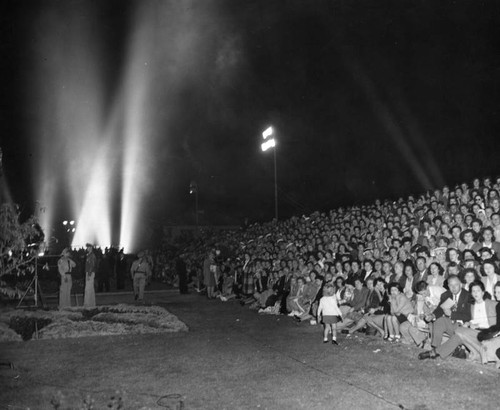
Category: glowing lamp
[268,144]
[267,133]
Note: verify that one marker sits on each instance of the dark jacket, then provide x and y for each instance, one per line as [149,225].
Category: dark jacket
[462,312]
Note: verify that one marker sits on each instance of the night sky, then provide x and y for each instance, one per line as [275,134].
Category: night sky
[369,99]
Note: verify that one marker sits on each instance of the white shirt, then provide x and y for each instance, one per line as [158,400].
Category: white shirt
[480,317]
[490,284]
[328,306]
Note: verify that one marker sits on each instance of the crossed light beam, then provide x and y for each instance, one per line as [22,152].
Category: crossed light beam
[95,154]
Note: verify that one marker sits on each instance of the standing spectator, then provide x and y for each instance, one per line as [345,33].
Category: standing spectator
[141,271]
[121,270]
[90,270]
[209,269]
[65,265]
[329,314]
[103,273]
[247,285]
[180,267]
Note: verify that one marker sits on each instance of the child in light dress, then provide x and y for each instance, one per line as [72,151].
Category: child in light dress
[329,313]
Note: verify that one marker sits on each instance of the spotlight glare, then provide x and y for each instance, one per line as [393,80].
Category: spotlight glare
[65,223]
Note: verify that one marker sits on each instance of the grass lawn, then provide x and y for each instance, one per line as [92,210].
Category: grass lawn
[233,358]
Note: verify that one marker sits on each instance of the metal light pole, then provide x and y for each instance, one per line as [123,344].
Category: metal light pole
[193,189]
[268,144]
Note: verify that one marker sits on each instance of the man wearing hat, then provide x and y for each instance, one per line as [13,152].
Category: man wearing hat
[65,265]
[140,270]
[90,269]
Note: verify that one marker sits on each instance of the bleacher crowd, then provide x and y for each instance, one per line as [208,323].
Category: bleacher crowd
[420,270]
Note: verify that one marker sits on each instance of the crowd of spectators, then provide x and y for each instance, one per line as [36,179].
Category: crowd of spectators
[395,268]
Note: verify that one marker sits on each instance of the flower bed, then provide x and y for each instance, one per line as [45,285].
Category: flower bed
[79,322]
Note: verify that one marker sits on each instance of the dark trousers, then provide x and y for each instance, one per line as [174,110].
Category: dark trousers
[103,283]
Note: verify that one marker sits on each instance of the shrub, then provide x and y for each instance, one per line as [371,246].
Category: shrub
[26,326]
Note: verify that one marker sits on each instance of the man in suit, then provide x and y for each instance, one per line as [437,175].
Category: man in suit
[447,319]
[483,316]
[422,272]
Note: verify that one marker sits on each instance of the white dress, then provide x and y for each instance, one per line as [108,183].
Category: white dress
[89,298]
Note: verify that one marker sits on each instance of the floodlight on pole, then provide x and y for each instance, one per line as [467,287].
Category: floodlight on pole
[268,132]
[266,145]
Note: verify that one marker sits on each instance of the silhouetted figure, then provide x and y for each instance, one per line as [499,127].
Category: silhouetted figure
[90,269]
[180,267]
[104,274]
[121,270]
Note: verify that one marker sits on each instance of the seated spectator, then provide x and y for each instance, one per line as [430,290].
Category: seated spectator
[296,291]
[227,292]
[386,271]
[490,275]
[373,299]
[416,330]
[468,238]
[307,299]
[436,277]
[398,275]
[376,319]
[357,304]
[483,316]
[456,242]
[469,276]
[490,338]
[401,307]
[487,240]
[453,311]
[410,282]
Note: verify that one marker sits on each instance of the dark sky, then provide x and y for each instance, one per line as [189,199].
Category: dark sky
[368,98]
